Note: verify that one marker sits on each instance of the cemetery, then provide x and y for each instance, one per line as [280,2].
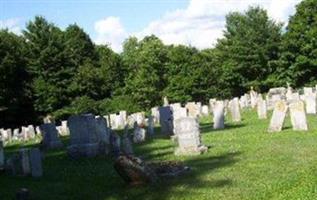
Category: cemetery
[209,100]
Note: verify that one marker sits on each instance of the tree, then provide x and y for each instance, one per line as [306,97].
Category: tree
[298,60]
[251,40]
[13,80]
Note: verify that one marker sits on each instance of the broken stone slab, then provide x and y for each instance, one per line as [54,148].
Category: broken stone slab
[278,117]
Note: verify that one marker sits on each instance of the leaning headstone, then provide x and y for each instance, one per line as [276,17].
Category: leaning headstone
[298,116]
[219,116]
[310,101]
[1,156]
[50,136]
[235,110]
[166,120]
[139,134]
[188,137]
[83,136]
[278,117]
[261,108]
[36,162]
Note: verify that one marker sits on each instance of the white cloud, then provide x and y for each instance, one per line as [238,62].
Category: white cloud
[110,31]
[199,25]
[12,24]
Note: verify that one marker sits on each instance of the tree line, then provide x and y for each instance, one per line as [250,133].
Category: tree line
[46,70]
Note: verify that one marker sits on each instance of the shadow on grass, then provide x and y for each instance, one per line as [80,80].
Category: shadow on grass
[208,127]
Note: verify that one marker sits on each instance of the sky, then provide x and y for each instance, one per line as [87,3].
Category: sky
[197,23]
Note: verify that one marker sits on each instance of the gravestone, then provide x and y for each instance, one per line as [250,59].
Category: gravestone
[64,128]
[253,96]
[298,116]
[31,132]
[235,110]
[16,134]
[188,137]
[308,91]
[218,116]
[261,108]
[50,136]
[127,148]
[84,139]
[150,126]
[103,135]
[310,101]
[175,106]
[36,162]
[156,114]
[278,117]
[115,142]
[2,159]
[193,109]
[25,161]
[166,120]
[205,110]
[212,104]
[165,101]
[139,134]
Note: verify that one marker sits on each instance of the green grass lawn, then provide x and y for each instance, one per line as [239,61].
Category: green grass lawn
[244,162]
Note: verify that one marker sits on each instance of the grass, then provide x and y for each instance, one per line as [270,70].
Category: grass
[244,162]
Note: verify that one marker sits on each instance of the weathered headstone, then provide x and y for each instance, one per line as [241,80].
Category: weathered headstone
[261,108]
[84,139]
[218,116]
[156,114]
[298,116]
[36,162]
[310,101]
[2,159]
[188,137]
[127,147]
[166,120]
[253,96]
[235,110]
[64,128]
[50,136]
[103,135]
[139,134]
[278,117]
[193,109]
[150,126]
[205,110]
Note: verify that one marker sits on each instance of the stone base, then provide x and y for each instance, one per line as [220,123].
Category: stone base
[191,151]
[83,150]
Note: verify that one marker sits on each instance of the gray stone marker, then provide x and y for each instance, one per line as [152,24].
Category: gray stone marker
[139,134]
[219,115]
[278,117]
[127,147]
[1,155]
[83,136]
[150,126]
[261,108]
[103,135]
[188,137]
[36,162]
[50,136]
[235,110]
[298,116]
[166,120]
[25,162]
[115,142]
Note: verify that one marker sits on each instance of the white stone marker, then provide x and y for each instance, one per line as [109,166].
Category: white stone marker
[235,110]
[298,116]
[219,115]
[261,108]
[205,110]
[310,101]
[278,117]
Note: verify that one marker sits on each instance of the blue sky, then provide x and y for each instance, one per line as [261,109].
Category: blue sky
[192,22]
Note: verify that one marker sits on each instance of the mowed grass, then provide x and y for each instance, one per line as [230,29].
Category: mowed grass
[243,162]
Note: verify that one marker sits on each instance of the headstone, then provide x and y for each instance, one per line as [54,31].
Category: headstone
[64,128]
[31,132]
[1,156]
[193,109]
[49,120]
[123,119]
[127,147]
[261,108]
[253,96]
[25,161]
[139,134]
[278,117]
[84,139]
[50,136]
[166,120]
[188,137]
[205,110]
[219,117]
[38,130]
[156,114]
[36,162]
[212,103]
[235,110]
[308,91]
[16,134]
[165,101]
[103,135]
[150,126]
[310,101]
[298,116]
[115,143]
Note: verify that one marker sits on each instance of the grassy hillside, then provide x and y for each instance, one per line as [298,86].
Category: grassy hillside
[244,162]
